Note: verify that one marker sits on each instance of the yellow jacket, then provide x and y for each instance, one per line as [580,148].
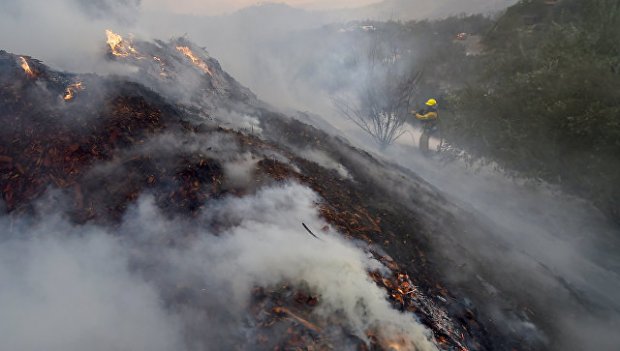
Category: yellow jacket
[427,115]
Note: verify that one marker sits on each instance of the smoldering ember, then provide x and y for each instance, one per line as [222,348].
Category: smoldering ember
[165,206]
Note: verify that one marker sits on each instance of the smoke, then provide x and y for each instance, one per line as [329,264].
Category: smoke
[296,58]
[240,121]
[65,34]
[541,264]
[324,161]
[123,11]
[271,48]
[69,287]
[239,173]
[264,247]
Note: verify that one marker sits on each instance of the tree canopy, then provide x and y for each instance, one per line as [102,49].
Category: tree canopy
[546,101]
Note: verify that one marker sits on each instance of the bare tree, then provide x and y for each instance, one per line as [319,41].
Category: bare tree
[380,105]
[380,108]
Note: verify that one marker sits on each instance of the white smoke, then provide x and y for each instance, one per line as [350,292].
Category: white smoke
[66,34]
[239,121]
[268,245]
[538,245]
[123,11]
[323,160]
[239,173]
[68,287]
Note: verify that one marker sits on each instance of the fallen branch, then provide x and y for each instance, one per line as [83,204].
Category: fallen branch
[310,231]
[305,323]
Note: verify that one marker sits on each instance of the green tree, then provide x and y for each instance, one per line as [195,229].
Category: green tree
[547,101]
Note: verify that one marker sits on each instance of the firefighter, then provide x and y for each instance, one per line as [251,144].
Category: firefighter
[430,119]
[428,115]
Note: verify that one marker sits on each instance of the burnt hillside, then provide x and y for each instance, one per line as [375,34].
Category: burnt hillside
[187,137]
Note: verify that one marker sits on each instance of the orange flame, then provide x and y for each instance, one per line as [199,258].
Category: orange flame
[119,46]
[26,67]
[71,90]
[399,345]
[195,60]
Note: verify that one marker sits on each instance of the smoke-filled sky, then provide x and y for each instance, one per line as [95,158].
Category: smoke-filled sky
[213,7]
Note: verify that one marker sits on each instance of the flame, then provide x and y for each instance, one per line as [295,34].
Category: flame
[395,342]
[71,90]
[26,67]
[120,47]
[399,345]
[195,60]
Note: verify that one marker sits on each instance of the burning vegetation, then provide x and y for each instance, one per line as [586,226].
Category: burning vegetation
[165,66]
[120,47]
[72,90]
[195,60]
[26,67]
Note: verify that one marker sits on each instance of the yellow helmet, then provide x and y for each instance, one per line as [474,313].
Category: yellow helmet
[431,102]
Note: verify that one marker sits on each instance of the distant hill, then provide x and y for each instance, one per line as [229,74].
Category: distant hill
[273,16]
[273,19]
[267,19]
[423,9]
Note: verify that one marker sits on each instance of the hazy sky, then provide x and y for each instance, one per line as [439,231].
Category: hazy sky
[211,7]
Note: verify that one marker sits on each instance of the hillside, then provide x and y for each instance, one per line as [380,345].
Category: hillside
[180,161]
[405,10]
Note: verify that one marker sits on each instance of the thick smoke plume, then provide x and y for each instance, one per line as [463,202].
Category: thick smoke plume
[124,11]
[67,288]
[65,34]
[540,247]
